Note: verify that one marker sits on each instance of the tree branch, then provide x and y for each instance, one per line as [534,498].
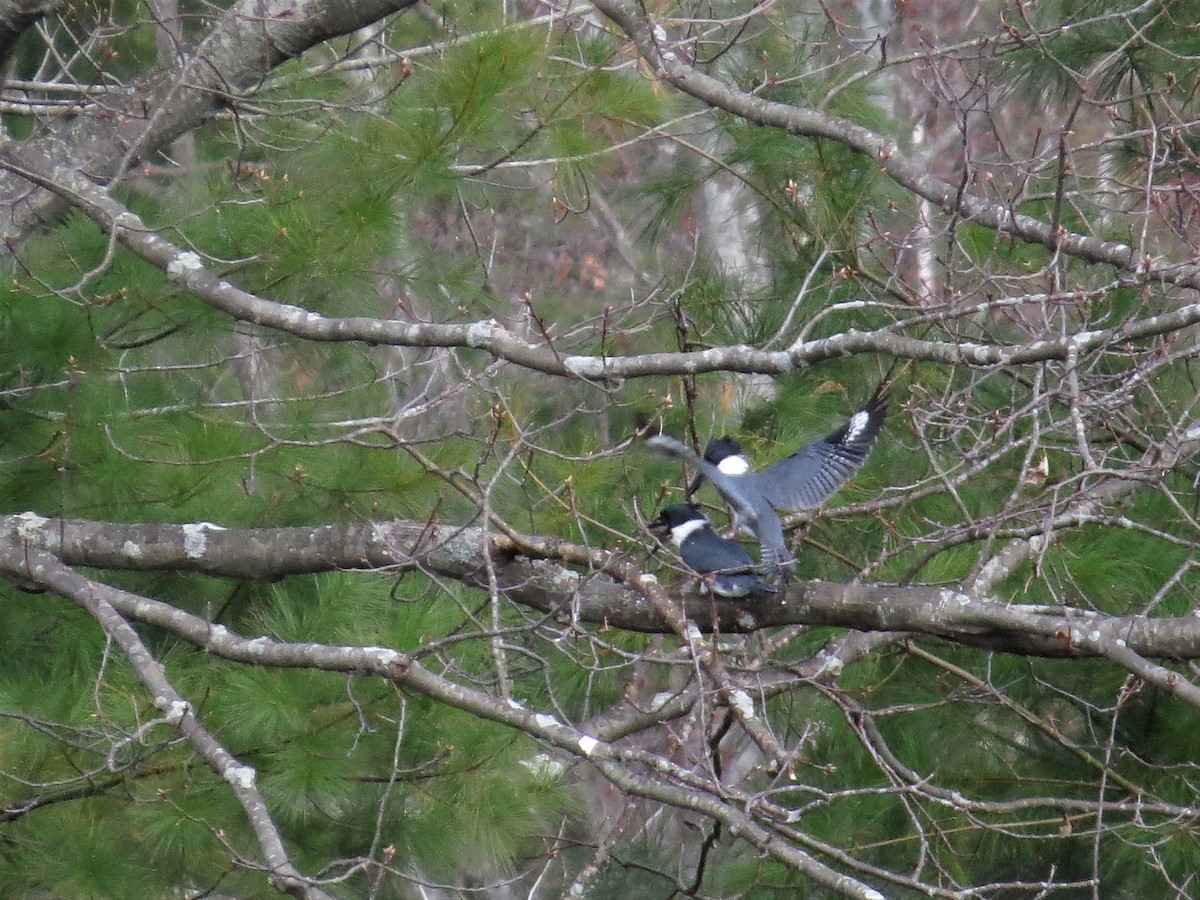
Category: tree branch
[914,175]
[661,780]
[592,597]
[187,269]
[17,17]
[179,714]
[120,127]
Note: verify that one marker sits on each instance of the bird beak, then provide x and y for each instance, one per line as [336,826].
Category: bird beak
[657,526]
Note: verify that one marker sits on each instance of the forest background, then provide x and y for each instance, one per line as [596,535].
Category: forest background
[332,330]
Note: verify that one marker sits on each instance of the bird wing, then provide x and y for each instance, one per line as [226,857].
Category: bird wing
[726,486]
[813,473]
[708,552]
[752,510]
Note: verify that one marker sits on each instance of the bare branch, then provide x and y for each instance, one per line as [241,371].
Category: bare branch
[179,713]
[122,127]
[652,45]
[187,269]
[104,602]
[462,553]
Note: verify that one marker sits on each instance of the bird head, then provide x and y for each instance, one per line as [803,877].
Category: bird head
[675,515]
[726,454]
[721,449]
[679,520]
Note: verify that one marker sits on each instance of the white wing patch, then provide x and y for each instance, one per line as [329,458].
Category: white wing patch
[858,424]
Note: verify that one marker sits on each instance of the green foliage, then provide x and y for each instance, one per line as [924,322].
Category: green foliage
[1099,42]
[478,184]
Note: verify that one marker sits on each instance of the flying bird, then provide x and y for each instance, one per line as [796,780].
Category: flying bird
[720,561]
[801,481]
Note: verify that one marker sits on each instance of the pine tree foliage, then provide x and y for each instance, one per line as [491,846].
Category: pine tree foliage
[332,333]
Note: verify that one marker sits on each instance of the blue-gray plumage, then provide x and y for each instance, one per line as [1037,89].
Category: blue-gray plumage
[709,554]
[801,481]
[812,474]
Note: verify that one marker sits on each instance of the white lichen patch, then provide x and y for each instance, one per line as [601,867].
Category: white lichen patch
[741,701]
[745,620]
[462,545]
[293,317]
[541,720]
[240,777]
[175,711]
[29,523]
[383,656]
[184,264]
[195,538]
[380,534]
[946,597]
[564,580]
[588,745]
[583,366]
[131,550]
[647,578]
[659,700]
[830,665]
[693,634]
[479,334]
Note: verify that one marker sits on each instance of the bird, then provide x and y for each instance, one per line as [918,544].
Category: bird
[722,563]
[803,480]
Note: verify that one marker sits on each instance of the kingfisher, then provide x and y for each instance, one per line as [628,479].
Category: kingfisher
[803,480]
[722,563]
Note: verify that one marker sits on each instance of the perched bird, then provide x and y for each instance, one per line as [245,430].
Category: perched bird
[709,554]
[801,481]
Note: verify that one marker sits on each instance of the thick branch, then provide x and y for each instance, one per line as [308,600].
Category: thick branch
[592,597]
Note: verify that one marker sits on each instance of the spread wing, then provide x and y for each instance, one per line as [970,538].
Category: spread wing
[752,511]
[813,473]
